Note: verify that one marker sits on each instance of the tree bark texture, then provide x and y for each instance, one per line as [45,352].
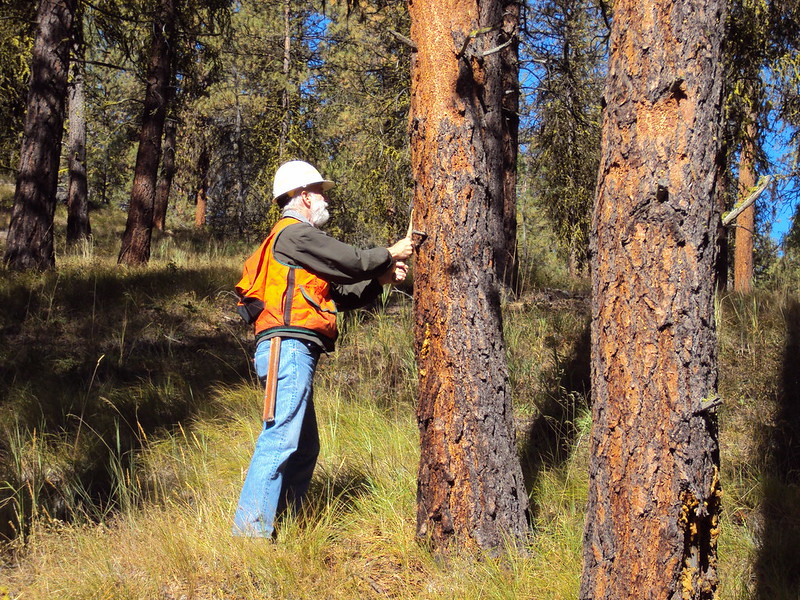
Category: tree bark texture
[135,248]
[746,221]
[30,233]
[168,170]
[470,485]
[654,493]
[78,226]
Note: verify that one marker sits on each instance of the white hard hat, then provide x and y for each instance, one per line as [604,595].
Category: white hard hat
[294,175]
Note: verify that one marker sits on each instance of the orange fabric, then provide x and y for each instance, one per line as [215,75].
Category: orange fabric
[266,279]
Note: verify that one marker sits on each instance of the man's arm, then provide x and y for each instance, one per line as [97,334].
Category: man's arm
[356,295]
[303,245]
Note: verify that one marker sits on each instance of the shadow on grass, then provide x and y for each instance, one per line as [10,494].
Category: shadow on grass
[551,435]
[778,562]
[338,491]
[94,364]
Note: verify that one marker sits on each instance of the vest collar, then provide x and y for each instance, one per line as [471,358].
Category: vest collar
[295,215]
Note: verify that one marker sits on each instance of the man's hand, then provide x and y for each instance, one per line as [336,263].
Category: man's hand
[402,249]
[395,274]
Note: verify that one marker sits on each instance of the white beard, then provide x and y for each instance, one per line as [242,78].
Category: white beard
[319,213]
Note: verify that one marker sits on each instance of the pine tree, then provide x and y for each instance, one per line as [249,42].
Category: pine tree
[78,226]
[654,492]
[470,486]
[568,56]
[30,233]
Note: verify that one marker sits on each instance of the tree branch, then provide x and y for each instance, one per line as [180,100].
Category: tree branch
[499,48]
[739,207]
[405,40]
[472,35]
[97,63]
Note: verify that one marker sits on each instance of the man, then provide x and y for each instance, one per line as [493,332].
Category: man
[291,289]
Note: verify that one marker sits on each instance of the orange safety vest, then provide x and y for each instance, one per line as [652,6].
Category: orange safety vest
[280,298]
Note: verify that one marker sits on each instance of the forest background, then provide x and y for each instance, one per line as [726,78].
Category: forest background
[128,406]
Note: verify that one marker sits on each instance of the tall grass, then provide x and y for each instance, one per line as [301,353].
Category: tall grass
[174,454]
[354,540]
[130,413]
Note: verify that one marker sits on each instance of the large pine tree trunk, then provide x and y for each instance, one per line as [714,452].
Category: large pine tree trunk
[139,226]
[30,233]
[168,170]
[654,493]
[78,226]
[746,221]
[470,486]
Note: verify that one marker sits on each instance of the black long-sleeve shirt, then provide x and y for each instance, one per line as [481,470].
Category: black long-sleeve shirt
[351,272]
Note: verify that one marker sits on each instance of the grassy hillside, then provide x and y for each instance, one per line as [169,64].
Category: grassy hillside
[129,411]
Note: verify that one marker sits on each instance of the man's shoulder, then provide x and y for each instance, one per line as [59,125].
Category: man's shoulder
[300,230]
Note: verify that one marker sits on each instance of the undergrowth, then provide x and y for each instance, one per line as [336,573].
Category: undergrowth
[129,413]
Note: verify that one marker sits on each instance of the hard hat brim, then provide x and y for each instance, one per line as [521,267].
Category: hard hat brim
[326,185]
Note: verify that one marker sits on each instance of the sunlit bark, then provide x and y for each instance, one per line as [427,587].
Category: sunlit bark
[654,492]
[470,487]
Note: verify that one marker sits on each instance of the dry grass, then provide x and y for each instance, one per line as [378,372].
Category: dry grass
[356,539]
[157,368]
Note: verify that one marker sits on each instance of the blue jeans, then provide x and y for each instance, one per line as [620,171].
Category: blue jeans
[286,450]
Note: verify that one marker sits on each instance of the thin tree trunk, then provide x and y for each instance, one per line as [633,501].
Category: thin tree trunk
[470,486]
[287,47]
[30,234]
[168,170]
[78,226]
[202,188]
[722,266]
[139,227]
[506,254]
[746,221]
[237,148]
[654,493]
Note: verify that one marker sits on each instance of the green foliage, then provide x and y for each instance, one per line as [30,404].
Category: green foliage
[761,92]
[125,27]
[117,53]
[564,151]
[16,40]
[112,116]
[362,124]
[236,126]
[342,104]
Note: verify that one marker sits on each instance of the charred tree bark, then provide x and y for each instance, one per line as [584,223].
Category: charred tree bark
[139,226]
[746,221]
[30,233]
[654,492]
[470,486]
[78,226]
[168,170]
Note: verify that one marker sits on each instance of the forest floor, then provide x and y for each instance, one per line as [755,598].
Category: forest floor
[129,413]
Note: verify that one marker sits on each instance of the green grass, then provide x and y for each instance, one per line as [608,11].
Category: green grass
[129,414]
